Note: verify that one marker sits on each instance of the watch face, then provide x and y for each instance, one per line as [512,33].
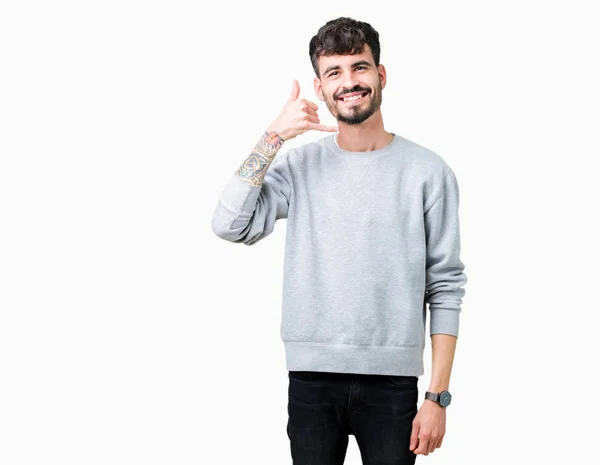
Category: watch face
[445,398]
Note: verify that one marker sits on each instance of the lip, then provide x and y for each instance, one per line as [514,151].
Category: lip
[350,95]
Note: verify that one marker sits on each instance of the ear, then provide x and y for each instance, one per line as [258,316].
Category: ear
[382,75]
[318,89]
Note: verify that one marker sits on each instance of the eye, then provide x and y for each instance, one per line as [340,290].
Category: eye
[334,72]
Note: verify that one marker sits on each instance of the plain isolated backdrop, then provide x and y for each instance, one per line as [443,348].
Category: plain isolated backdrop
[131,334]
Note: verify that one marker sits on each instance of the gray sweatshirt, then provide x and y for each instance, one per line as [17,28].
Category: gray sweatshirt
[371,238]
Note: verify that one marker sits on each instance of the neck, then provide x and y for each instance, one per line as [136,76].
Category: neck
[365,137]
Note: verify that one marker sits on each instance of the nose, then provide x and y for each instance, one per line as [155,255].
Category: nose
[349,82]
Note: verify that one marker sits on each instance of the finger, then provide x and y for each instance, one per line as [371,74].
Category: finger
[295,92]
[439,444]
[423,445]
[414,437]
[309,104]
[310,111]
[312,119]
[432,445]
[321,127]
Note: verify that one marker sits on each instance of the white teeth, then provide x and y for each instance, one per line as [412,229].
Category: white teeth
[356,97]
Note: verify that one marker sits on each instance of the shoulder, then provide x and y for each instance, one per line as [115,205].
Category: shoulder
[299,154]
[426,160]
[429,168]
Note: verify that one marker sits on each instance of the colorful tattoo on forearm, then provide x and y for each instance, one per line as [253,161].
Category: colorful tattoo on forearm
[255,167]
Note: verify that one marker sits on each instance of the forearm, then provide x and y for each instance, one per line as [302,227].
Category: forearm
[255,167]
[443,347]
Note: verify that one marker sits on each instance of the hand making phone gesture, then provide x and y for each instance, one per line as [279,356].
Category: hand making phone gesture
[298,116]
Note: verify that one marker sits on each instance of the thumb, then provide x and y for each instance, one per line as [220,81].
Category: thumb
[414,437]
[295,92]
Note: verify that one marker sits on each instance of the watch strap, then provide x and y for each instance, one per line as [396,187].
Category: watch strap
[434,396]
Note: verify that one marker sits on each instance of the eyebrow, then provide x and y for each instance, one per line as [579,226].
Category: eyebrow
[361,62]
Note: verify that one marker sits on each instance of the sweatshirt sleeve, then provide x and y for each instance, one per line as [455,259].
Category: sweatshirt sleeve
[246,213]
[445,275]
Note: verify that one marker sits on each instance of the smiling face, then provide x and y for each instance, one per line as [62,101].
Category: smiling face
[353,76]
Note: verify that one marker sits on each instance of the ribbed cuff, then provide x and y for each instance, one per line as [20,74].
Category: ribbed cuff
[239,196]
[443,321]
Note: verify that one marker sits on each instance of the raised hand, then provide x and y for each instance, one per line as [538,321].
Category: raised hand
[298,116]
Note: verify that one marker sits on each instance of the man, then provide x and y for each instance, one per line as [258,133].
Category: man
[372,236]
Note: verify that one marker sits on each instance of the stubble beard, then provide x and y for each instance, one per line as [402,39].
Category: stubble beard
[355,114]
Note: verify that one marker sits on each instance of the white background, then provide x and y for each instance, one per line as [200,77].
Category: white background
[131,334]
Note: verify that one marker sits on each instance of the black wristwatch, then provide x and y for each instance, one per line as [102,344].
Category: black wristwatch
[443,398]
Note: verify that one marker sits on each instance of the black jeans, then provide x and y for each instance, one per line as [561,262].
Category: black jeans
[325,408]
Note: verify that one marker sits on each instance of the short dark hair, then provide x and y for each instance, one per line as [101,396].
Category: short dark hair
[343,36]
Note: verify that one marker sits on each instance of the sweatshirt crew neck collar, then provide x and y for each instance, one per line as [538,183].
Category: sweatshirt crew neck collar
[331,143]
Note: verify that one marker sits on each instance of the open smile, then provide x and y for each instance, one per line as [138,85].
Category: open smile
[354,97]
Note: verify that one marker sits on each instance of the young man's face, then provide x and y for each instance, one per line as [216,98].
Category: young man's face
[350,74]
